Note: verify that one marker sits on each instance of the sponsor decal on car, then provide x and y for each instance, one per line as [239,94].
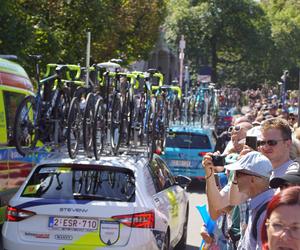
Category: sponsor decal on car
[63,237]
[174,203]
[109,232]
[32,189]
[70,210]
[37,235]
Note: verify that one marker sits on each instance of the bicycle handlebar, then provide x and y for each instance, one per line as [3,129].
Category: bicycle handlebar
[69,67]
[167,87]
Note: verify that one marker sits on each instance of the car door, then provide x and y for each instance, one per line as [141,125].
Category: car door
[177,198]
[166,197]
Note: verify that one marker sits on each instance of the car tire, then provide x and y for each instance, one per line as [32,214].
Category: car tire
[181,245]
[166,243]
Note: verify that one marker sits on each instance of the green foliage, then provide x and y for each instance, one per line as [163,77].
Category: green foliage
[14,33]
[232,36]
[285,19]
[126,29]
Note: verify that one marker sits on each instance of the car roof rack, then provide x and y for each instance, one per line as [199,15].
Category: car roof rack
[138,152]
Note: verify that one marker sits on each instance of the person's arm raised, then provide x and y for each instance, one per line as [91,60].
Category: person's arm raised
[216,200]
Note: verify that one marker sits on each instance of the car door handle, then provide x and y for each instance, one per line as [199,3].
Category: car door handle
[157,200]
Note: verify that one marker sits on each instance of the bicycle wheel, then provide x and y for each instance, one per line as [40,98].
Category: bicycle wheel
[164,125]
[25,129]
[61,111]
[151,116]
[99,129]
[159,125]
[77,181]
[74,128]
[127,120]
[89,181]
[116,123]
[112,178]
[88,120]
[140,118]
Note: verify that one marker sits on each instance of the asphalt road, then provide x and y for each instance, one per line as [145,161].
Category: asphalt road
[197,197]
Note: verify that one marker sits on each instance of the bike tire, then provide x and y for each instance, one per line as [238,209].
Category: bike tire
[77,183]
[151,131]
[140,119]
[25,131]
[160,123]
[99,129]
[128,109]
[61,111]
[88,121]
[74,128]
[116,123]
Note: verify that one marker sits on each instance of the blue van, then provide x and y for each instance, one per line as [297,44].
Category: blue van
[185,147]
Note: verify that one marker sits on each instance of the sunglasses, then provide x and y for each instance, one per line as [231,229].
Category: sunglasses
[269,142]
[234,128]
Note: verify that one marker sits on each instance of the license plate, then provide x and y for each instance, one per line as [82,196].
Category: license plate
[75,224]
[180,163]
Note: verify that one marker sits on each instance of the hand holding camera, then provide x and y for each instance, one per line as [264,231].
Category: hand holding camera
[218,160]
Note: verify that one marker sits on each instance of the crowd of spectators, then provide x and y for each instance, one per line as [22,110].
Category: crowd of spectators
[259,206]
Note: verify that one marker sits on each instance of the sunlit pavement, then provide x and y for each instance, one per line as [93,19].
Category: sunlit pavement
[197,196]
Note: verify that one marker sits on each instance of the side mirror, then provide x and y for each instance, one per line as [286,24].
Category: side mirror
[183,181]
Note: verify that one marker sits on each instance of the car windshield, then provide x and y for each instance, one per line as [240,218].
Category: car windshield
[81,182]
[187,140]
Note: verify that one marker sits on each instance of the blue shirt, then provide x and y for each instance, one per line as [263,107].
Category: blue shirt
[248,242]
[280,171]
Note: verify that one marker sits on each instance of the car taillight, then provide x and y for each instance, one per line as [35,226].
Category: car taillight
[15,214]
[202,153]
[140,220]
[158,151]
[228,118]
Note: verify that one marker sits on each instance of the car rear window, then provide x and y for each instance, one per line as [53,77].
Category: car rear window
[85,182]
[187,140]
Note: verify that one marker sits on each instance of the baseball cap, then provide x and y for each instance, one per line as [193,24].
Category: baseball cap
[254,163]
[292,176]
[255,131]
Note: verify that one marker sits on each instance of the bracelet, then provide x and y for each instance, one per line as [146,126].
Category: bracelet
[207,177]
[234,182]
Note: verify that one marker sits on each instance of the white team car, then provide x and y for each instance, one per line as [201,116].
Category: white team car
[121,202]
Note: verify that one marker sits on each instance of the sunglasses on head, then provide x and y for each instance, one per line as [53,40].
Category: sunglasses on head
[269,142]
[234,128]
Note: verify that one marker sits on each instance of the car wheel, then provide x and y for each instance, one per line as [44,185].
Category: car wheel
[182,243]
[166,243]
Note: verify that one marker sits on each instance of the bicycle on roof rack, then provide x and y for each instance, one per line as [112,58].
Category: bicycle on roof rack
[81,115]
[173,96]
[41,119]
[108,110]
[152,114]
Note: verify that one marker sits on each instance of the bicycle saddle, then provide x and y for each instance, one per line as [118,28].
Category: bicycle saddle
[152,71]
[36,57]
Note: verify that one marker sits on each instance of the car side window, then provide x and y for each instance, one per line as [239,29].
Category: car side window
[161,175]
[167,173]
[156,176]
[11,102]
